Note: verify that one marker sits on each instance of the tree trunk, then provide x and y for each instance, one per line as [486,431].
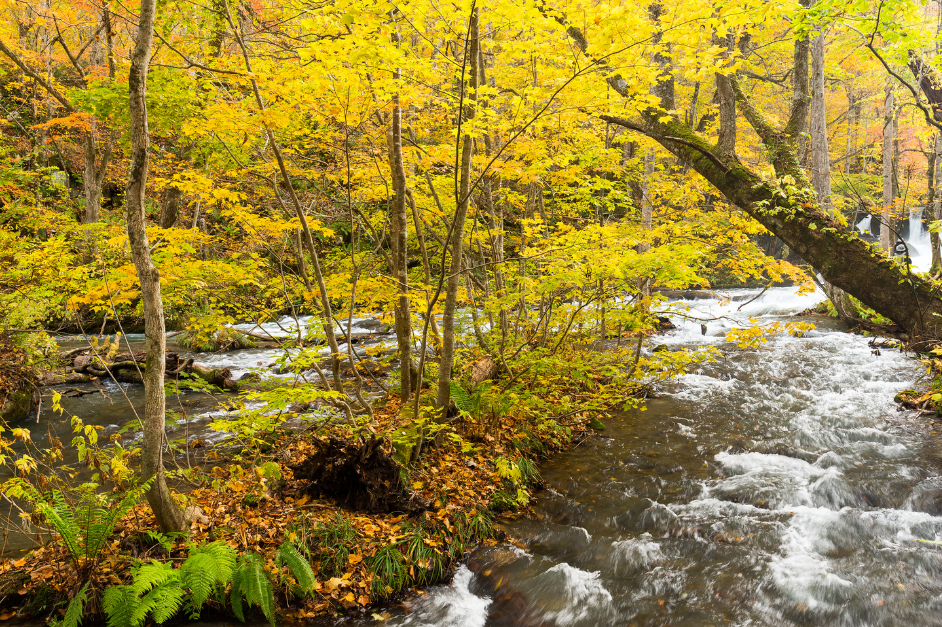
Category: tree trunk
[727,105]
[820,155]
[934,205]
[168,513]
[887,222]
[90,180]
[800,98]
[853,119]
[399,222]
[456,241]
[170,203]
[821,162]
[647,216]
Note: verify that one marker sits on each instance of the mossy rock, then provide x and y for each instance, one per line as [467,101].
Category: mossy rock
[404,441]
[16,405]
[225,339]
[597,424]
[907,397]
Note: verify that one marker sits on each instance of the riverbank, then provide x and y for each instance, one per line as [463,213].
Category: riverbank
[373,529]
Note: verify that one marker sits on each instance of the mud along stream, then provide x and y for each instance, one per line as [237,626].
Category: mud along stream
[778,486]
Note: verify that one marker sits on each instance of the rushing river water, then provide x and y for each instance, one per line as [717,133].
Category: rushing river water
[779,486]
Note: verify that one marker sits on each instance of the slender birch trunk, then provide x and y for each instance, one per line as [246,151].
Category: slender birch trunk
[820,154]
[168,513]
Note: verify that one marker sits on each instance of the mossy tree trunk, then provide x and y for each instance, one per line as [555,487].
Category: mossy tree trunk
[787,207]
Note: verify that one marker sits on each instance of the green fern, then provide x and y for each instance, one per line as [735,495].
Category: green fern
[462,399]
[298,565]
[155,592]
[235,594]
[85,527]
[58,513]
[206,572]
[119,603]
[250,583]
[73,613]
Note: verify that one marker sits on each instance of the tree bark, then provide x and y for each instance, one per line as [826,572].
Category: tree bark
[647,216]
[94,176]
[821,162]
[798,122]
[168,513]
[399,222]
[934,204]
[727,105]
[456,241]
[820,155]
[170,202]
[887,222]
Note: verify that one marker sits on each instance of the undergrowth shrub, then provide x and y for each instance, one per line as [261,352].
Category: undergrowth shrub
[84,524]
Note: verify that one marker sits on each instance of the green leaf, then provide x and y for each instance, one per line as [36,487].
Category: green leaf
[298,565]
[74,612]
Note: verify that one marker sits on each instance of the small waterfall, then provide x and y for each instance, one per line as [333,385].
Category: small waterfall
[864,225]
[917,240]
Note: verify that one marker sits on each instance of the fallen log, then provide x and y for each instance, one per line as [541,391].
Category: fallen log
[129,368]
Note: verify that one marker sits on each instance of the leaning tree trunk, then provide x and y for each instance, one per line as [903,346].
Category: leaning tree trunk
[168,513]
[842,258]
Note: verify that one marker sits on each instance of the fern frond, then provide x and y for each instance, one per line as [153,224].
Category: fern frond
[164,601]
[149,576]
[235,594]
[73,613]
[120,603]
[255,586]
[207,569]
[298,565]
[461,398]
[59,514]
[103,527]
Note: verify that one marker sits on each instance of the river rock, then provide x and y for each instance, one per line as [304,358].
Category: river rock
[16,405]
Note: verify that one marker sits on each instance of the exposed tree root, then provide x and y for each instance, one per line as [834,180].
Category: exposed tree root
[359,475]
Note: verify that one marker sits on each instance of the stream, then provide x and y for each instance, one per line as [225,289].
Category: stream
[777,487]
